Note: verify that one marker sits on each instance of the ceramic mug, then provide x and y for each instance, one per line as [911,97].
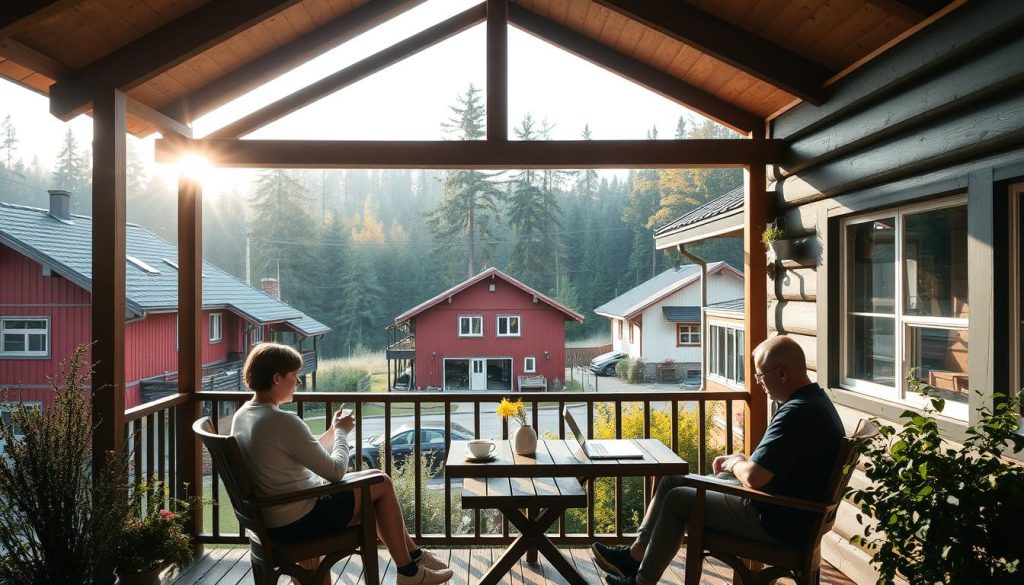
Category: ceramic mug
[481,448]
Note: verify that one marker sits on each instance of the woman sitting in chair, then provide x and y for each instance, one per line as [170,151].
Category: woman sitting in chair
[284,457]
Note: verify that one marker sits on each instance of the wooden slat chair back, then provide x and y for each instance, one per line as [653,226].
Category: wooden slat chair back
[801,563]
[272,559]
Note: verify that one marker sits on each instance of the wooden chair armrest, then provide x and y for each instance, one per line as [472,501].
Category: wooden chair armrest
[712,484]
[349,482]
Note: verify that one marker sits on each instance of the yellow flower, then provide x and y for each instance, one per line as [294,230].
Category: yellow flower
[515,410]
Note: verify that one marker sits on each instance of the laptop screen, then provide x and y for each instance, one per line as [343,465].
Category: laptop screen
[575,428]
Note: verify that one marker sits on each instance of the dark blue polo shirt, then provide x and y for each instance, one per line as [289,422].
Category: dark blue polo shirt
[800,447]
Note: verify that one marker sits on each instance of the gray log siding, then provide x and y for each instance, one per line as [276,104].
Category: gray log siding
[795,284]
[793,317]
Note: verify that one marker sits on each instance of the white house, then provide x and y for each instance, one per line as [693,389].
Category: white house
[660,319]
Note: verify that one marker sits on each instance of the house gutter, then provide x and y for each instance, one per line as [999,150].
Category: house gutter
[703,303]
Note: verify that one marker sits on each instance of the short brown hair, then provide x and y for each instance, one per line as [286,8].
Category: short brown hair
[267,359]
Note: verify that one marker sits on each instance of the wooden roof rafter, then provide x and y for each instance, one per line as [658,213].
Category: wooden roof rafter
[18,15]
[159,51]
[728,43]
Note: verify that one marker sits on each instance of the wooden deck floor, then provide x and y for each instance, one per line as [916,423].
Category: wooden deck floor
[230,566]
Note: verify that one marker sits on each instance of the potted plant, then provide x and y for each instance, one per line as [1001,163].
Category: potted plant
[779,247]
[153,538]
[524,439]
[945,514]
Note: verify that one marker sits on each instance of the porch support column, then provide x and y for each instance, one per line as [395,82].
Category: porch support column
[757,207]
[108,272]
[190,343]
[497,70]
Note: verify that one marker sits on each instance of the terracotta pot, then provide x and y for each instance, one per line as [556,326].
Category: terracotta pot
[150,577]
[525,440]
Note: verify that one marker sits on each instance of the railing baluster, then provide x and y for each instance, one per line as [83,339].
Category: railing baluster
[359,434]
[161,456]
[214,479]
[728,427]
[702,437]
[137,450]
[447,480]
[150,448]
[387,438]
[417,450]
[675,426]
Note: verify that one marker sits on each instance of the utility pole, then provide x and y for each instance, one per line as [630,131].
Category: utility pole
[248,259]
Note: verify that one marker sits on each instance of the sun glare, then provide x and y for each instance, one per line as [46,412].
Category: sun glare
[195,166]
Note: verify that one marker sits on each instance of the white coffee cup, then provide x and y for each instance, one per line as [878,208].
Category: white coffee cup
[481,448]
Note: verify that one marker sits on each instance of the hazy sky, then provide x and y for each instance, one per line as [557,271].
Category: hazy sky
[409,100]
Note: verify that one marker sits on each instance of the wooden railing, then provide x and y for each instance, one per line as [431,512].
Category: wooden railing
[151,431]
[711,413]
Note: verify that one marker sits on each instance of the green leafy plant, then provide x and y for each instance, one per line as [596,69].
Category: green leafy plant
[60,518]
[944,514]
[154,536]
[772,233]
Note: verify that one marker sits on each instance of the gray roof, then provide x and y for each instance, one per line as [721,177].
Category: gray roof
[728,202]
[684,314]
[638,298]
[66,247]
[734,306]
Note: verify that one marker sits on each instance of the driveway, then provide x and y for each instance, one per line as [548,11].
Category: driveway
[592,382]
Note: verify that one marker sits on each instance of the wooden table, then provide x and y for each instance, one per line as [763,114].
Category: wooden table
[500,484]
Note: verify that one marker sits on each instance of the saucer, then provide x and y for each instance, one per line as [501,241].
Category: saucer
[470,458]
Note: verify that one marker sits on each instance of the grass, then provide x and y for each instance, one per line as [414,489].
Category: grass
[592,341]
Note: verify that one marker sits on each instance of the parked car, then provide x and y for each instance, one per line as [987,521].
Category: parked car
[403,444]
[604,364]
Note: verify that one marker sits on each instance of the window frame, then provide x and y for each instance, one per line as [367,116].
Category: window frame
[27,353]
[903,324]
[715,359]
[508,325]
[618,323]
[692,329]
[470,318]
[527,369]
[217,318]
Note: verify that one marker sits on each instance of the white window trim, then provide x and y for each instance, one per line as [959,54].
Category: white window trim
[691,329]
[713,347]
[26,354]
[257,334]
[471,318]
[219,318]
[508,323]
[526,364]
[899,394]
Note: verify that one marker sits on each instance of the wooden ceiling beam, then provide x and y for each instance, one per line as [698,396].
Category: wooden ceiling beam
[29,57]
[910,9]
[474,154]
[353,73]
[497,69]
[285,58]
[729,43]
[155,53]
[18,15]
[640,73]
[158,120]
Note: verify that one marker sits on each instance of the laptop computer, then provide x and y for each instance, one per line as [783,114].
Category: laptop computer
[601,448]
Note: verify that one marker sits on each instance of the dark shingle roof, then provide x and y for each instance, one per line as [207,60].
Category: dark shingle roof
[734,306]
[152,285]
[681,314]
[728,202]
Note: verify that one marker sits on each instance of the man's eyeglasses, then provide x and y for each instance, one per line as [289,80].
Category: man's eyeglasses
[759,376]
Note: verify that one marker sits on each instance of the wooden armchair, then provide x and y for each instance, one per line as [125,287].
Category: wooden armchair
[801,563]
[271,560]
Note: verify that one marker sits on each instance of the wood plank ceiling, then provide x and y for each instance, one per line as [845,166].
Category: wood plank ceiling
[735,60]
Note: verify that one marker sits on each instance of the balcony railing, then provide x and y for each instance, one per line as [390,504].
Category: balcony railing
[154,446]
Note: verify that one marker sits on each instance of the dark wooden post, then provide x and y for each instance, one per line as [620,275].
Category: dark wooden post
[497,70]
[757,206]
[190,343]
[108,272]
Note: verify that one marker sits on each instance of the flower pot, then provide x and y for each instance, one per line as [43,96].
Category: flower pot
[150,577]
[524,440]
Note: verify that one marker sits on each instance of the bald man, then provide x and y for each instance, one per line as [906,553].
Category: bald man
[793,459]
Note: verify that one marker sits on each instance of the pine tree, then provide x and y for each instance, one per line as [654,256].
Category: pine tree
[282,241]
[8,144]
[71,172]
[585,187]
[361,293]
[643,201]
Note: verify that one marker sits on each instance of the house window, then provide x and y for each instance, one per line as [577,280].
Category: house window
[905,303]
[24,337]
[726,354]
[216,333]
[618,323]
[530,364]
[257,334]
[7,414]
[508,326]
[630,325]
[471,326]
[687,334]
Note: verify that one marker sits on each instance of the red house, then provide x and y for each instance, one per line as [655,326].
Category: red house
[46,269]
[491,332]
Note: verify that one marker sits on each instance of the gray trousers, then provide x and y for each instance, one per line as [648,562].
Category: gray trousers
[665,522]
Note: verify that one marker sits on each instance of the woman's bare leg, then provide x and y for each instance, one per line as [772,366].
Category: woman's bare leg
[390,523]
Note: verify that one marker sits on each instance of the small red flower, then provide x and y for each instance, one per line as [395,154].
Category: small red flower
[167,515]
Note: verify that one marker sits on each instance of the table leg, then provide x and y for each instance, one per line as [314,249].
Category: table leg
[532,534]
[531,553]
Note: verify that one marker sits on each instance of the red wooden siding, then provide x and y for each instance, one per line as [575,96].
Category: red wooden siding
[542,330]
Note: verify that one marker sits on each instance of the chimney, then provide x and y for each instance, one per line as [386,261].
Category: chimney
[60,204]
[271,287]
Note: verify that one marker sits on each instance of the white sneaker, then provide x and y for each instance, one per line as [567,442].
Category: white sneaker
[425,576]
[429,561]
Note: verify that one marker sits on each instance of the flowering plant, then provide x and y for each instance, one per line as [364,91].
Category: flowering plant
[515,410]
[153,535]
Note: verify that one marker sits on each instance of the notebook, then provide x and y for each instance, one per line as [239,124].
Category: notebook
[601,448]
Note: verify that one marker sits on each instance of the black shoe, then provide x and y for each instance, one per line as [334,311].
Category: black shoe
[616,560]
[613,580]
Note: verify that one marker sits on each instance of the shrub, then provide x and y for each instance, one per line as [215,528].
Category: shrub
[636,370]
[345,379]
[622,369]
[431,500]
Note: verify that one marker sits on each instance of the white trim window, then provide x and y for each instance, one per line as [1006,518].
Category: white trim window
[687,334]
[471,326]
[904,303]
[725,354]
[24,337]
[508,326]
[529,364]
[216,327]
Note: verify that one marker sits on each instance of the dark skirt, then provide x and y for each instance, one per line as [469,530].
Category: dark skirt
[330,515]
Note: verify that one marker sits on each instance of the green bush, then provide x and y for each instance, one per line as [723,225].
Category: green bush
[431,500]
[622,369]
[340,379]
[630,370]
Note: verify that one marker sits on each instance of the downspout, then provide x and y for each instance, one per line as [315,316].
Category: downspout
[703,303]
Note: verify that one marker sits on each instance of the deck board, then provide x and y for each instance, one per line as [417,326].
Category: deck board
[230,566]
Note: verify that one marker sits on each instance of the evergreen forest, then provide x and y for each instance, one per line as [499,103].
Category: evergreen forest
[355,248]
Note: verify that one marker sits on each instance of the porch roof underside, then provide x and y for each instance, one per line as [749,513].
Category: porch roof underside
[175,61]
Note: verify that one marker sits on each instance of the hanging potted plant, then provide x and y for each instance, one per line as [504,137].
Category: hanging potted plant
[771,238]
[524,439]
[945,514]
[796,250]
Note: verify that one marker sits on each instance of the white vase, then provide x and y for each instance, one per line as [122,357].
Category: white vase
[524,440]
